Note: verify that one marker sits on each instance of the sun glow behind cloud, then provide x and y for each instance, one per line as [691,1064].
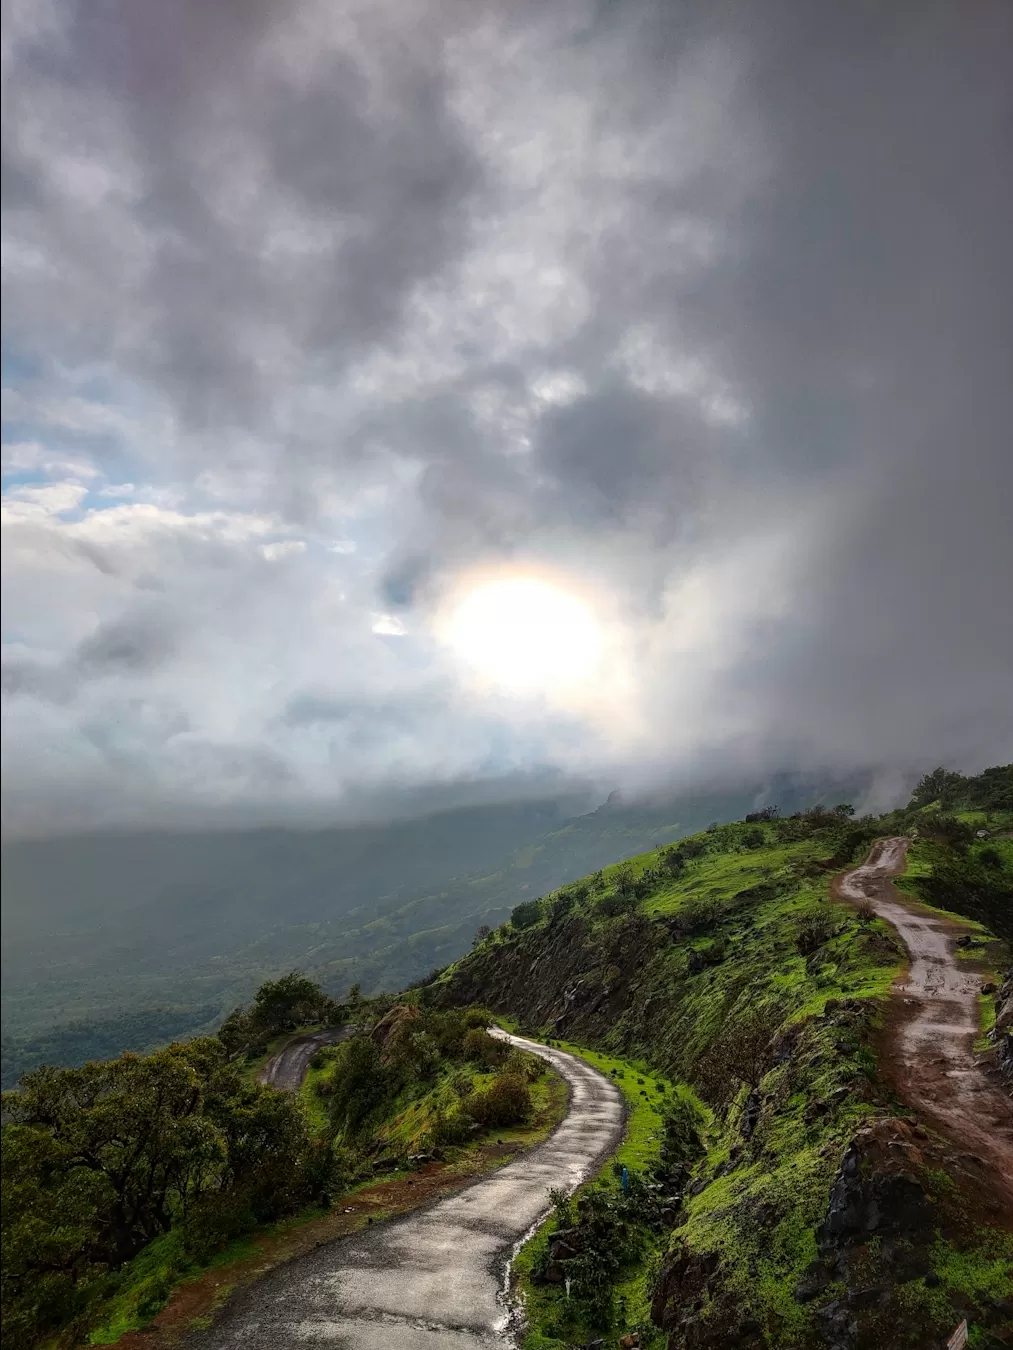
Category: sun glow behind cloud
[526,636]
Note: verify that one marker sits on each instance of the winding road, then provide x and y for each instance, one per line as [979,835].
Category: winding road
[435,1279]
[930,1053]
[288,1068]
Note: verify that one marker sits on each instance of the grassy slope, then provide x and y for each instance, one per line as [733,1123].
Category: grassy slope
[760,1215]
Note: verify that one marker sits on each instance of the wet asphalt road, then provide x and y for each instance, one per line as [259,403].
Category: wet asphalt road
[288,1068]
[432,1280]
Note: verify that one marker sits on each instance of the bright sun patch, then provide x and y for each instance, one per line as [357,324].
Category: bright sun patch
[524,636]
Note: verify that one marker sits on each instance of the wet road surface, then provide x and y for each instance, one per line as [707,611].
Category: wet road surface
[432,1280]
[930,1052]
[288,1068]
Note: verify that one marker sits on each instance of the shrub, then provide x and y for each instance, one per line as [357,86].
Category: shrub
[481,1048]
[766,813]
[361,1086]
[618,902]
[813,931]
[507,1101]
[683,1124]
[991,857]
[452,1128]
[955,832]
[530,1067]
[526,914]
[754,838]
[478,1017]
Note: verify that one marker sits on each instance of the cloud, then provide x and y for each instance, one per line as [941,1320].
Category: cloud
[311,314]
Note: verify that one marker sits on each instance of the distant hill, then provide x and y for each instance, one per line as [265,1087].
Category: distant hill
[126,941]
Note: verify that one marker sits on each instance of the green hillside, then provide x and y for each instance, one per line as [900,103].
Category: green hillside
[722,967]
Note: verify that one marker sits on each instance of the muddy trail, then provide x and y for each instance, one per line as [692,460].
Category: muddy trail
[934,1021]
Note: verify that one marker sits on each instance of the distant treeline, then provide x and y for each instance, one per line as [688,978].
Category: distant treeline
[75,1043]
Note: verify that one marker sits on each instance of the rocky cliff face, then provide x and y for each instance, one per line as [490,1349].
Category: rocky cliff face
[1001,1035]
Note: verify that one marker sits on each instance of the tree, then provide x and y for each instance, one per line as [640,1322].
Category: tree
[292,1001]
[131,1145]
[940,785]
[481,934]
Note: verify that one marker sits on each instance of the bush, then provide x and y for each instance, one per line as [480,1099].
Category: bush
[361,1086]
[767,813]
[526,914]
[507,1101]
[481,1048]
[531,1067]
[813,931]
[953,831]
[453,1128]
[478,1017]
[613,905]
[754,838]
[683,1125]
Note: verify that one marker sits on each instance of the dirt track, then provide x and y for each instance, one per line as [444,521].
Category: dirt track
[930,1046]
[433,1280]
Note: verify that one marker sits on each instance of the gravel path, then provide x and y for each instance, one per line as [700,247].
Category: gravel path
[432,1280]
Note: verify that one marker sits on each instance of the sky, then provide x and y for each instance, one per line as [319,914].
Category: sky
[408,397]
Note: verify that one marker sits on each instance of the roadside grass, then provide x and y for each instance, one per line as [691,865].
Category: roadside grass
[551,1318]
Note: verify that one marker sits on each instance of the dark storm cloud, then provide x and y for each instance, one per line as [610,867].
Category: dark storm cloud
[242,140]
[709,304]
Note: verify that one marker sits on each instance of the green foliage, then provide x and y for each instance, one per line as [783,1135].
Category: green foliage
[526,914]
[814,930]
[970,885]
[507,1101]
[292,1001]
[991,790]
[684,1128]
[124,1151]
[484,1049]
[361,1087]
